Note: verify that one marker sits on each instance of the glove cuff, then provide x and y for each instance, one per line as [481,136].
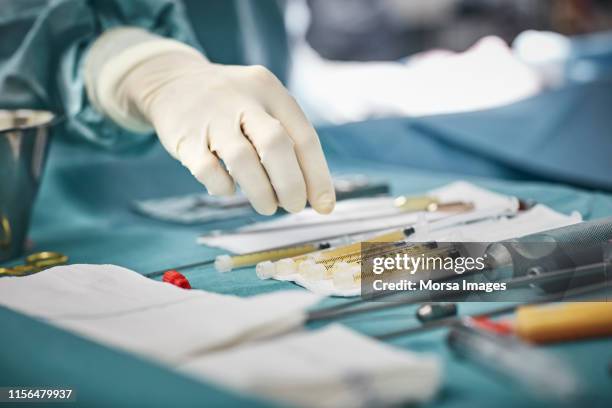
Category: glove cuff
[110,60]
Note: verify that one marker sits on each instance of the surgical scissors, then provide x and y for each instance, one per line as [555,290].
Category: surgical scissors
[34,263]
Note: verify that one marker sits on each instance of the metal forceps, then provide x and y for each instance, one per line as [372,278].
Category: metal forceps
[34,263]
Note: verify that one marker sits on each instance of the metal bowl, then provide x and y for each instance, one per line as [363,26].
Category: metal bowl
[24,137]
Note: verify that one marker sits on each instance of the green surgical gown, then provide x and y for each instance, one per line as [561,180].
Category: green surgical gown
[44,43]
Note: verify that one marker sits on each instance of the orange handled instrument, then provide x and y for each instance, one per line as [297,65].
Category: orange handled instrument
[563,321]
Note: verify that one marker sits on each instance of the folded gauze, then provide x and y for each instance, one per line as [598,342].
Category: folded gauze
[330,367]
[239,343]
[121,308]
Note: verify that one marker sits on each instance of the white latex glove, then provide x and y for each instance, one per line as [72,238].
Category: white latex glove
[205,113]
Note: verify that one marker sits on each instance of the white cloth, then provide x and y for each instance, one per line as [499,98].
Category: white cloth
[121,308]
[331,367]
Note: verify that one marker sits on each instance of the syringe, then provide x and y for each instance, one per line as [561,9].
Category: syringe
[316,260]
[225,263]
[342,261]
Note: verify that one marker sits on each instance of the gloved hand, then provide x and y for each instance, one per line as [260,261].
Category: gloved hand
[205,113]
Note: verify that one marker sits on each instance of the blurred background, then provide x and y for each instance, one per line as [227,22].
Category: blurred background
[367,30]
[354,60]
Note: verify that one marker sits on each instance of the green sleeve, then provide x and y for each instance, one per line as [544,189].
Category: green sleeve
[43,47]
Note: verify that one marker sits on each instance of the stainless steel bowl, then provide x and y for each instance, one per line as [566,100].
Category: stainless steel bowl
[24,137]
